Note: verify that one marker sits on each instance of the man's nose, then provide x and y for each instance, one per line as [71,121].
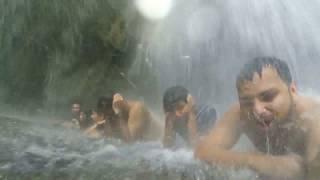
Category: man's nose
[259,108]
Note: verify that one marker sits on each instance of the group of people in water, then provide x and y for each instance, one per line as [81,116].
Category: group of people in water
[282,124]
[130,121]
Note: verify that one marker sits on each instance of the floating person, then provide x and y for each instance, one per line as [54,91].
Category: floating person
[283,125]
[128,120]
[77,116]
[86,119]
[184,118]
[97,129]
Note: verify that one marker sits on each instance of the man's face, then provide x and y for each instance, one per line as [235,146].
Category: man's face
[94,116]
[266,101]
[179,108]
[75,109]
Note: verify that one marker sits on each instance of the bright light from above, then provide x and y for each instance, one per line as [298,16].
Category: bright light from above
[154,9]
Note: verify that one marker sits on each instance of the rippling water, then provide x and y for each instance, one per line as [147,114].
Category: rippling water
[32,151]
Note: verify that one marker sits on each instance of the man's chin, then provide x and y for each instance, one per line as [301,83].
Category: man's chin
[265,127]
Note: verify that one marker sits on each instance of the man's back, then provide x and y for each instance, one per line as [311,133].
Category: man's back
[141,123]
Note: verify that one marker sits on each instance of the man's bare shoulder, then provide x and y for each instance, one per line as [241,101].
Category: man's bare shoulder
[311,121]
[229,120]
[139,110]
[225,133]
[313,103]
[310,113]
[138,106]
[232,114]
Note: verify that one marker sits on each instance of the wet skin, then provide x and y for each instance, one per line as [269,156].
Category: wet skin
[131,120]
[277,120]
[76,109]
[183,111]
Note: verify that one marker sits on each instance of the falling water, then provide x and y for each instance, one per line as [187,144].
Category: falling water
[52,50]
[267,142]
[205,51]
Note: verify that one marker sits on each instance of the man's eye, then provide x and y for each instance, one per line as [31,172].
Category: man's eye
[246,103]
[267,97]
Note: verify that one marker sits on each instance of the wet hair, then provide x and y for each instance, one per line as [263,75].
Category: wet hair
[76,100]
[87,122]
[104,105]
[256,65]
[90,112]
[172,96]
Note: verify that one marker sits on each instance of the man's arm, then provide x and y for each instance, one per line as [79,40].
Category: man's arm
[216,149]
[169,133]
[121,108]
[123,122]
[138,120]
[312,159]
[90,129]
[108,132]
[192,124]
[192,128]
[92,132]
[224,135]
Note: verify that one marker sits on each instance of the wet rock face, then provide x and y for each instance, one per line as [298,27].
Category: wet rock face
[32,151]
[48,47]
[51,51]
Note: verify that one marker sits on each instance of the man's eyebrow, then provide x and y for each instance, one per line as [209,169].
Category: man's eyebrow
[245,98]
[268,91]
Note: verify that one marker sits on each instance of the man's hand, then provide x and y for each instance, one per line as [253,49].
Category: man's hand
[118,103]
[82,116]
[190,106]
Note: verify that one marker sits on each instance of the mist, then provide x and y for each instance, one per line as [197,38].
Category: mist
[53,51]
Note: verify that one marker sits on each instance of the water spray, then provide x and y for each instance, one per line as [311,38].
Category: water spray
[154,9]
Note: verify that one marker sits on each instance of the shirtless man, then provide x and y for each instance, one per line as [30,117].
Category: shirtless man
[283,125]
[97,129]
[130,121]
[184,117]
[77,116]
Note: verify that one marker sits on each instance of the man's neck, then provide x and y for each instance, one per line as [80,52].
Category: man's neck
[299,107]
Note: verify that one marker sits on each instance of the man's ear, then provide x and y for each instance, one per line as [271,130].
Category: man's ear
[293,87]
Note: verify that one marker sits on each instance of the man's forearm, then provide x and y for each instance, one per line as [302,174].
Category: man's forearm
[286,166]
[169,134]
[193,129]
[124,128]
[108,131]
[289,166]
[221,157]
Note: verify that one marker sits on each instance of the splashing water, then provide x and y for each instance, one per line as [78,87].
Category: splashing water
[32,151]
[199,51]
